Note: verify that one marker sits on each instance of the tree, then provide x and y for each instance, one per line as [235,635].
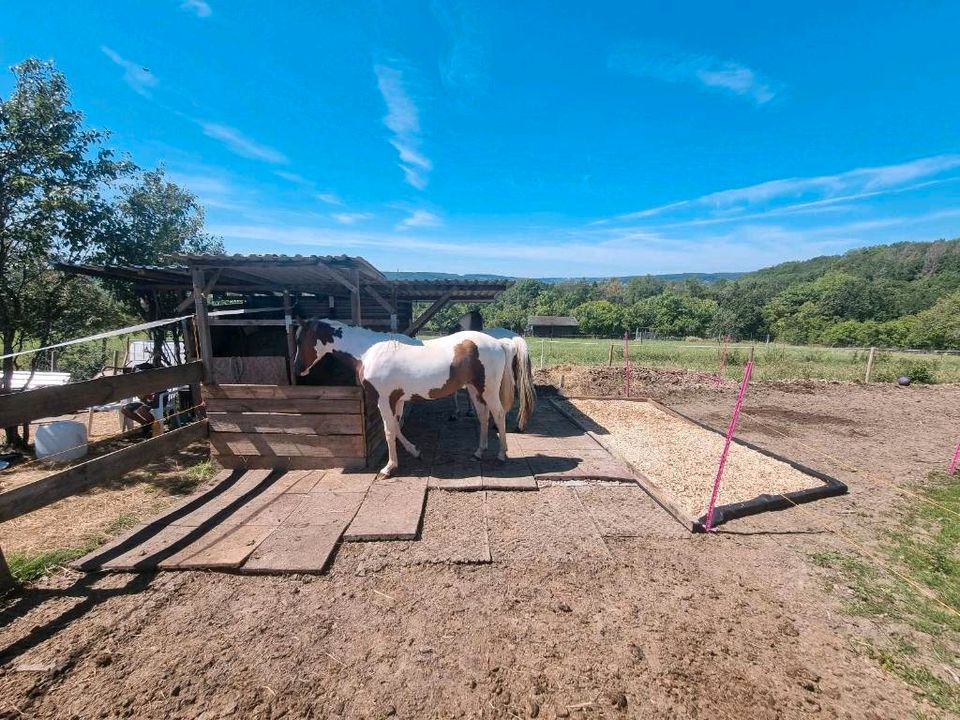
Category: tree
[53,205]
[153,220]
[599,317]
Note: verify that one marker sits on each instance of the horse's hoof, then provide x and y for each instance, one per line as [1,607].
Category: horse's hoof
[477,455]
[501,458]
[417,454]
[382,475]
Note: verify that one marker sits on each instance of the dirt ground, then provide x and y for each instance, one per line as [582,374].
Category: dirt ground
[738,624]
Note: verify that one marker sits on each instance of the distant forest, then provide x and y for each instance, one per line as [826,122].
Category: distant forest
[902,295]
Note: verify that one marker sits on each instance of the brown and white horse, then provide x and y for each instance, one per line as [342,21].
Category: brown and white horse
[396,368]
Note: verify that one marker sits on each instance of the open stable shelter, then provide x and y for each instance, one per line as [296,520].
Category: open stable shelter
[247,307]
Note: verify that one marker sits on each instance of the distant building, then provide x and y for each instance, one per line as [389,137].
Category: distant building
[552,326]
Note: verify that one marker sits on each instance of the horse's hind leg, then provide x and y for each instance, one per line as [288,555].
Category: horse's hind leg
[408,446]
[390,431]
[483,417]
[500,418]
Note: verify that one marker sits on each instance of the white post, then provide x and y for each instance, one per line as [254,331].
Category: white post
[541,353]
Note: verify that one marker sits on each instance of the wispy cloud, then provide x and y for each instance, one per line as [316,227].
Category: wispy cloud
[813,191]
[291,177]
[330,198]
[139,78]
[241,145]
[420,219]
[199,7]
[463,69]
[702,70]
[350,218]
[403,120]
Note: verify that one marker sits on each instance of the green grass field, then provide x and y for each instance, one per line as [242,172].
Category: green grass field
[771,362]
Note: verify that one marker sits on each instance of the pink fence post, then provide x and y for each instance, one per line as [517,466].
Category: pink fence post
[955,462]
[626,364]
[731,428]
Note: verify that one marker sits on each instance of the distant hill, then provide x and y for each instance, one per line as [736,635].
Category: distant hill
[676,277]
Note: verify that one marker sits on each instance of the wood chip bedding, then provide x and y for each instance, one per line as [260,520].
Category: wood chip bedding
[681,457]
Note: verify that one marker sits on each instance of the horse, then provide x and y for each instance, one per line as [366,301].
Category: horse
[396,368]
[473,320]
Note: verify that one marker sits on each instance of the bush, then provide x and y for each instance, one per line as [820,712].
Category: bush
[918,372]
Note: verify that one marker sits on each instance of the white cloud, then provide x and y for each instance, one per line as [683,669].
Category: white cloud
[420,219]
[350,218]
[812,191]
[237,143]
[330,198]
[403,119]
[139,78]
[200,7]
[707,71]
[292,177]
[463,70]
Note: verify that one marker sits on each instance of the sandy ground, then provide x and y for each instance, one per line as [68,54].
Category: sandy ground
[681,457]
[733,625]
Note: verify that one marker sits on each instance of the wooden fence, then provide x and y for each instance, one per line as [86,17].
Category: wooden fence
[23,407]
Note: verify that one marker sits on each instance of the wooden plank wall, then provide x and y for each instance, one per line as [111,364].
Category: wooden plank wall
[296,427]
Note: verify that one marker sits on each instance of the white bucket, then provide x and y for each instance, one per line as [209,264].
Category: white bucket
[61,441]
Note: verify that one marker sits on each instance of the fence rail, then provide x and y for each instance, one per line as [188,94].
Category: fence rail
[21,407]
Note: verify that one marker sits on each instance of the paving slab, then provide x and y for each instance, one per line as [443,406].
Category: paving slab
[465,475]
[306,480]
[454,533]
[628,512]
[320,505]
[532,526]
[391,510]
[344,481]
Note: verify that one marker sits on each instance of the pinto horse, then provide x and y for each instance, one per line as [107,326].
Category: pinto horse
[396,368]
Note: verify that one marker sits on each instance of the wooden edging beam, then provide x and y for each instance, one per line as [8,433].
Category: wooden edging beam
[17,408]
[59,485]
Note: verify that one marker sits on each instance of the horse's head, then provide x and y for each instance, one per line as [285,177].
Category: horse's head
[315,338]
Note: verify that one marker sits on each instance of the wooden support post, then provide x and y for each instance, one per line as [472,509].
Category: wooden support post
[866,377]
[203,324]
[610,356]
[7,581]
[116,362]
[355,315]
[291,337]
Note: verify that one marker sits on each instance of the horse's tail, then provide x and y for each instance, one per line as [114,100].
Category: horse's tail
[523,379]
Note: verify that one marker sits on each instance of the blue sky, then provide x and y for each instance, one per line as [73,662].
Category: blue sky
[535,139]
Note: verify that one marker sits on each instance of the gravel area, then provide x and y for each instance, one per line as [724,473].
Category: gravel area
[681,458]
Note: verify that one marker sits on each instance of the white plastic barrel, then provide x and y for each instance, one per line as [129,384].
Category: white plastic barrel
[61,441]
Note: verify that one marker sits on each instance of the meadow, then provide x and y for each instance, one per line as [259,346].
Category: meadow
[773,361]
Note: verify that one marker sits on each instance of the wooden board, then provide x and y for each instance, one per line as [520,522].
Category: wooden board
[50,489]
[284,405]
[224,547]
[17,408]
[294,424]
[305,549]
[277,444]
[391,511]
[292,392]
[297,462]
